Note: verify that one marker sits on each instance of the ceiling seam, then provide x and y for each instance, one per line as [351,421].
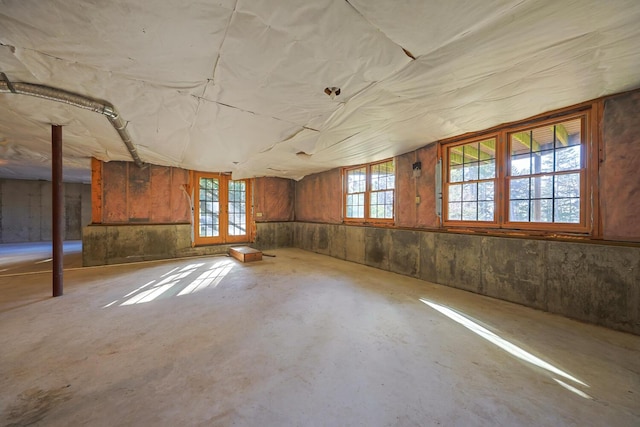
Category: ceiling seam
[211,79]
[254,113]
[93,67]
[224,38]
[406,51]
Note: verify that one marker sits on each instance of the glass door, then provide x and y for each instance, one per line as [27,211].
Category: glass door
[208,211]
[237,230]
[221,210]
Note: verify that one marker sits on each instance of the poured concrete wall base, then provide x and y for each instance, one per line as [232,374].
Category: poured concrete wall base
[271,235]
[115,244]
[594,283]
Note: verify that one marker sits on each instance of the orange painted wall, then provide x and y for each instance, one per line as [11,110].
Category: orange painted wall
[122,193]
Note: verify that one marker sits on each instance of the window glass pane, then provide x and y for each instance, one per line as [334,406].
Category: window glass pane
[519,210]
[391,182]
[455,156]
[568,158]
[487,149]
[455,173]
[567,185]
[488,169]
[567,210]
[519,189]
[568,133]
[520,143]
[455,193]
[388,211]
[237,220]
[486,190]
[382,176]
[375,184]
[521,165]
[471,171]
[356,180]
[542,139]
[470,152]
[541,187]
[208,215]
[470,192]
[485,211]
[455,211]
[543,162]
[541,210]
[469,211]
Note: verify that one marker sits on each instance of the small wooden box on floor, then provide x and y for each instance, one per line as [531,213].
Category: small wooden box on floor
[245,254]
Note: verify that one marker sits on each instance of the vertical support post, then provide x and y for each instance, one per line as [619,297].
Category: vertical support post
[57,204]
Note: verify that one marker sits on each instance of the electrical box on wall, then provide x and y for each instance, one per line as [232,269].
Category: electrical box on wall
[417,167]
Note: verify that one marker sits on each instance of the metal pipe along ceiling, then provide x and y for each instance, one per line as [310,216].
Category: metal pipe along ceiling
[58,95]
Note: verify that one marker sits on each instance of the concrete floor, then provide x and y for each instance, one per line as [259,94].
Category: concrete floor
[302,340]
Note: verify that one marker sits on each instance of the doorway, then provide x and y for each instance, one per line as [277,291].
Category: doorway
[221,209]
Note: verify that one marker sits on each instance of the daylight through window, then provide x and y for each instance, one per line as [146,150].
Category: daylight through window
[370,191]
[531,177]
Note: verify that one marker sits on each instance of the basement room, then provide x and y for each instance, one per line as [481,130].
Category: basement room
[327,213]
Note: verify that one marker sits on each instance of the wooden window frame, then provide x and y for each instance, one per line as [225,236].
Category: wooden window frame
[367,195]
[588,176]
[496,180]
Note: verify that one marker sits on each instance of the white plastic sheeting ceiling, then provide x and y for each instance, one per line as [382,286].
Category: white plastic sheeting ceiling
[238,85]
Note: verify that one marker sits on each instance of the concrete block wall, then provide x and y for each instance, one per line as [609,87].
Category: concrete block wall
[594,283]
[25,210]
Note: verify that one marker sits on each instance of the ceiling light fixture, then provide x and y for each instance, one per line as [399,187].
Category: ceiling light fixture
[332,91]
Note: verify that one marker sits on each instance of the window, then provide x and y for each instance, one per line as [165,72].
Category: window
[472,178]
[546,173]
[532,177]
[369,192]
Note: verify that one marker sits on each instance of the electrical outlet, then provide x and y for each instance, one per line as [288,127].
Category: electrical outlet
[417,200]
[259,214]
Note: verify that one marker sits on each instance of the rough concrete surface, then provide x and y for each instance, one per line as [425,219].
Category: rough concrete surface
[25,210]
[116,244]
[299,339]
[594,283]
[274,235]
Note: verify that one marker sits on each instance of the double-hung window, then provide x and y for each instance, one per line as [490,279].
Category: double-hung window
[531,177]
[369,192]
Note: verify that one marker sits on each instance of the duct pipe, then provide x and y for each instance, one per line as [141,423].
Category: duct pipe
[80,101]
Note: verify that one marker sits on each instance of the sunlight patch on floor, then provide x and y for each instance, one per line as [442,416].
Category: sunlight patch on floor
[507,346]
